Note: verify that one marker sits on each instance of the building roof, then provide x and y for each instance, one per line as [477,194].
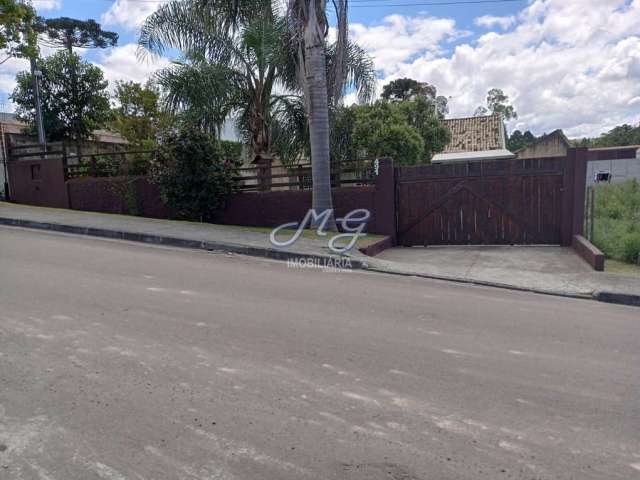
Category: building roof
[548,137]
[11,124]
[604,149]
[501,154]
[475,134]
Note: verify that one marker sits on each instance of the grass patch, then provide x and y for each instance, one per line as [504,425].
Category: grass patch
[620,268]
[617,221]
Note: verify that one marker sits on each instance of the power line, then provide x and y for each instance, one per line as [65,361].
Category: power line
[369,2]
[433,4]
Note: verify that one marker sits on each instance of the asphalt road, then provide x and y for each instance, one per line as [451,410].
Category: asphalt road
[123,361]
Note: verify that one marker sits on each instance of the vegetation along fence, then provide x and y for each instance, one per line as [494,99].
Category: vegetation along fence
[259,177]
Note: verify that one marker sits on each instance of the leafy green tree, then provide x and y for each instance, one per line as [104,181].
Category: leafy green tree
[497,103]
[65,115]
[424,116]
[70,33]
[518,140]
[193,177]
[137,115]
[622,135]
[402,89]
[17,34]
[410,132]
[231,150]
[382,130]
[405,89]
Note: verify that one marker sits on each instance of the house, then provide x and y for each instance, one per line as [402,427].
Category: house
[12,134]
[604,164]
[475,139]
[613,164]
[554,144]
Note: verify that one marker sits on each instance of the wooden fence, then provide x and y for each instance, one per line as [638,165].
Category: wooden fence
[298,176]
[269,176]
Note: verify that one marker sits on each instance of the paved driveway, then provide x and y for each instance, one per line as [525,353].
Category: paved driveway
[543,268]
[465,260]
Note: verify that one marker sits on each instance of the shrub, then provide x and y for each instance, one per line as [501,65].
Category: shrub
[192,174]
[231,150]
[631,248]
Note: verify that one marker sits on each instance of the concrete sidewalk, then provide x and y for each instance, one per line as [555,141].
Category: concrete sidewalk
[582,283]
[174,233]
[542,269]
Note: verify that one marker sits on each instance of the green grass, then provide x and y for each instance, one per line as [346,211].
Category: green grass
[621,268]
[617,221]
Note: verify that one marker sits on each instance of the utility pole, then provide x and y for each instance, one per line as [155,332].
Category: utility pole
[36,75]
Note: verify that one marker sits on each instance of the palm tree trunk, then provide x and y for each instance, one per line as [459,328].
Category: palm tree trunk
[317,103]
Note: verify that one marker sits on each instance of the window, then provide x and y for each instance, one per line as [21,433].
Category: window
[35,172]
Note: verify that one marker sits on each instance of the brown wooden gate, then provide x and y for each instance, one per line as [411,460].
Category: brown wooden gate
[502,202]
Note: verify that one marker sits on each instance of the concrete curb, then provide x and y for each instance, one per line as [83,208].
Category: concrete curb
[248,250]
[484,283]
[618,298]
[275,254]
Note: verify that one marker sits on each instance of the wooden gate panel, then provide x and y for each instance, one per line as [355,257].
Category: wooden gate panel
[499,202]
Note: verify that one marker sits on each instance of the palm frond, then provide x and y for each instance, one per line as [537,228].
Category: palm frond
[290,128]
[200,93]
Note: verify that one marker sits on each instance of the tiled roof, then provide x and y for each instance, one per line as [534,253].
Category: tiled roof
[475,134]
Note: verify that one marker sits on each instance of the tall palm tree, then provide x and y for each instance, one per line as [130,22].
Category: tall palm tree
[236,53]
[309,28]
[231,61]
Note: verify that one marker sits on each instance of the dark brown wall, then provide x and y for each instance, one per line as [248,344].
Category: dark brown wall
[612,153]
[137,196]
[124,195]
[270,209]
[38,182]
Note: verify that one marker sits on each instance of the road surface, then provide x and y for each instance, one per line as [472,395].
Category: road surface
[124,361]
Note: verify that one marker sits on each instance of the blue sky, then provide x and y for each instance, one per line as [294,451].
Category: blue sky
[570,64]
[361,11]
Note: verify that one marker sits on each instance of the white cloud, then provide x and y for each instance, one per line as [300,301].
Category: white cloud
[121,63]
[490,21]
[571,64]
[399,39]
[47,4]
[8,74]
[129,14]
[11,68]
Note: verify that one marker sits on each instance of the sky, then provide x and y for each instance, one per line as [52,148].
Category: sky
[570,64]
